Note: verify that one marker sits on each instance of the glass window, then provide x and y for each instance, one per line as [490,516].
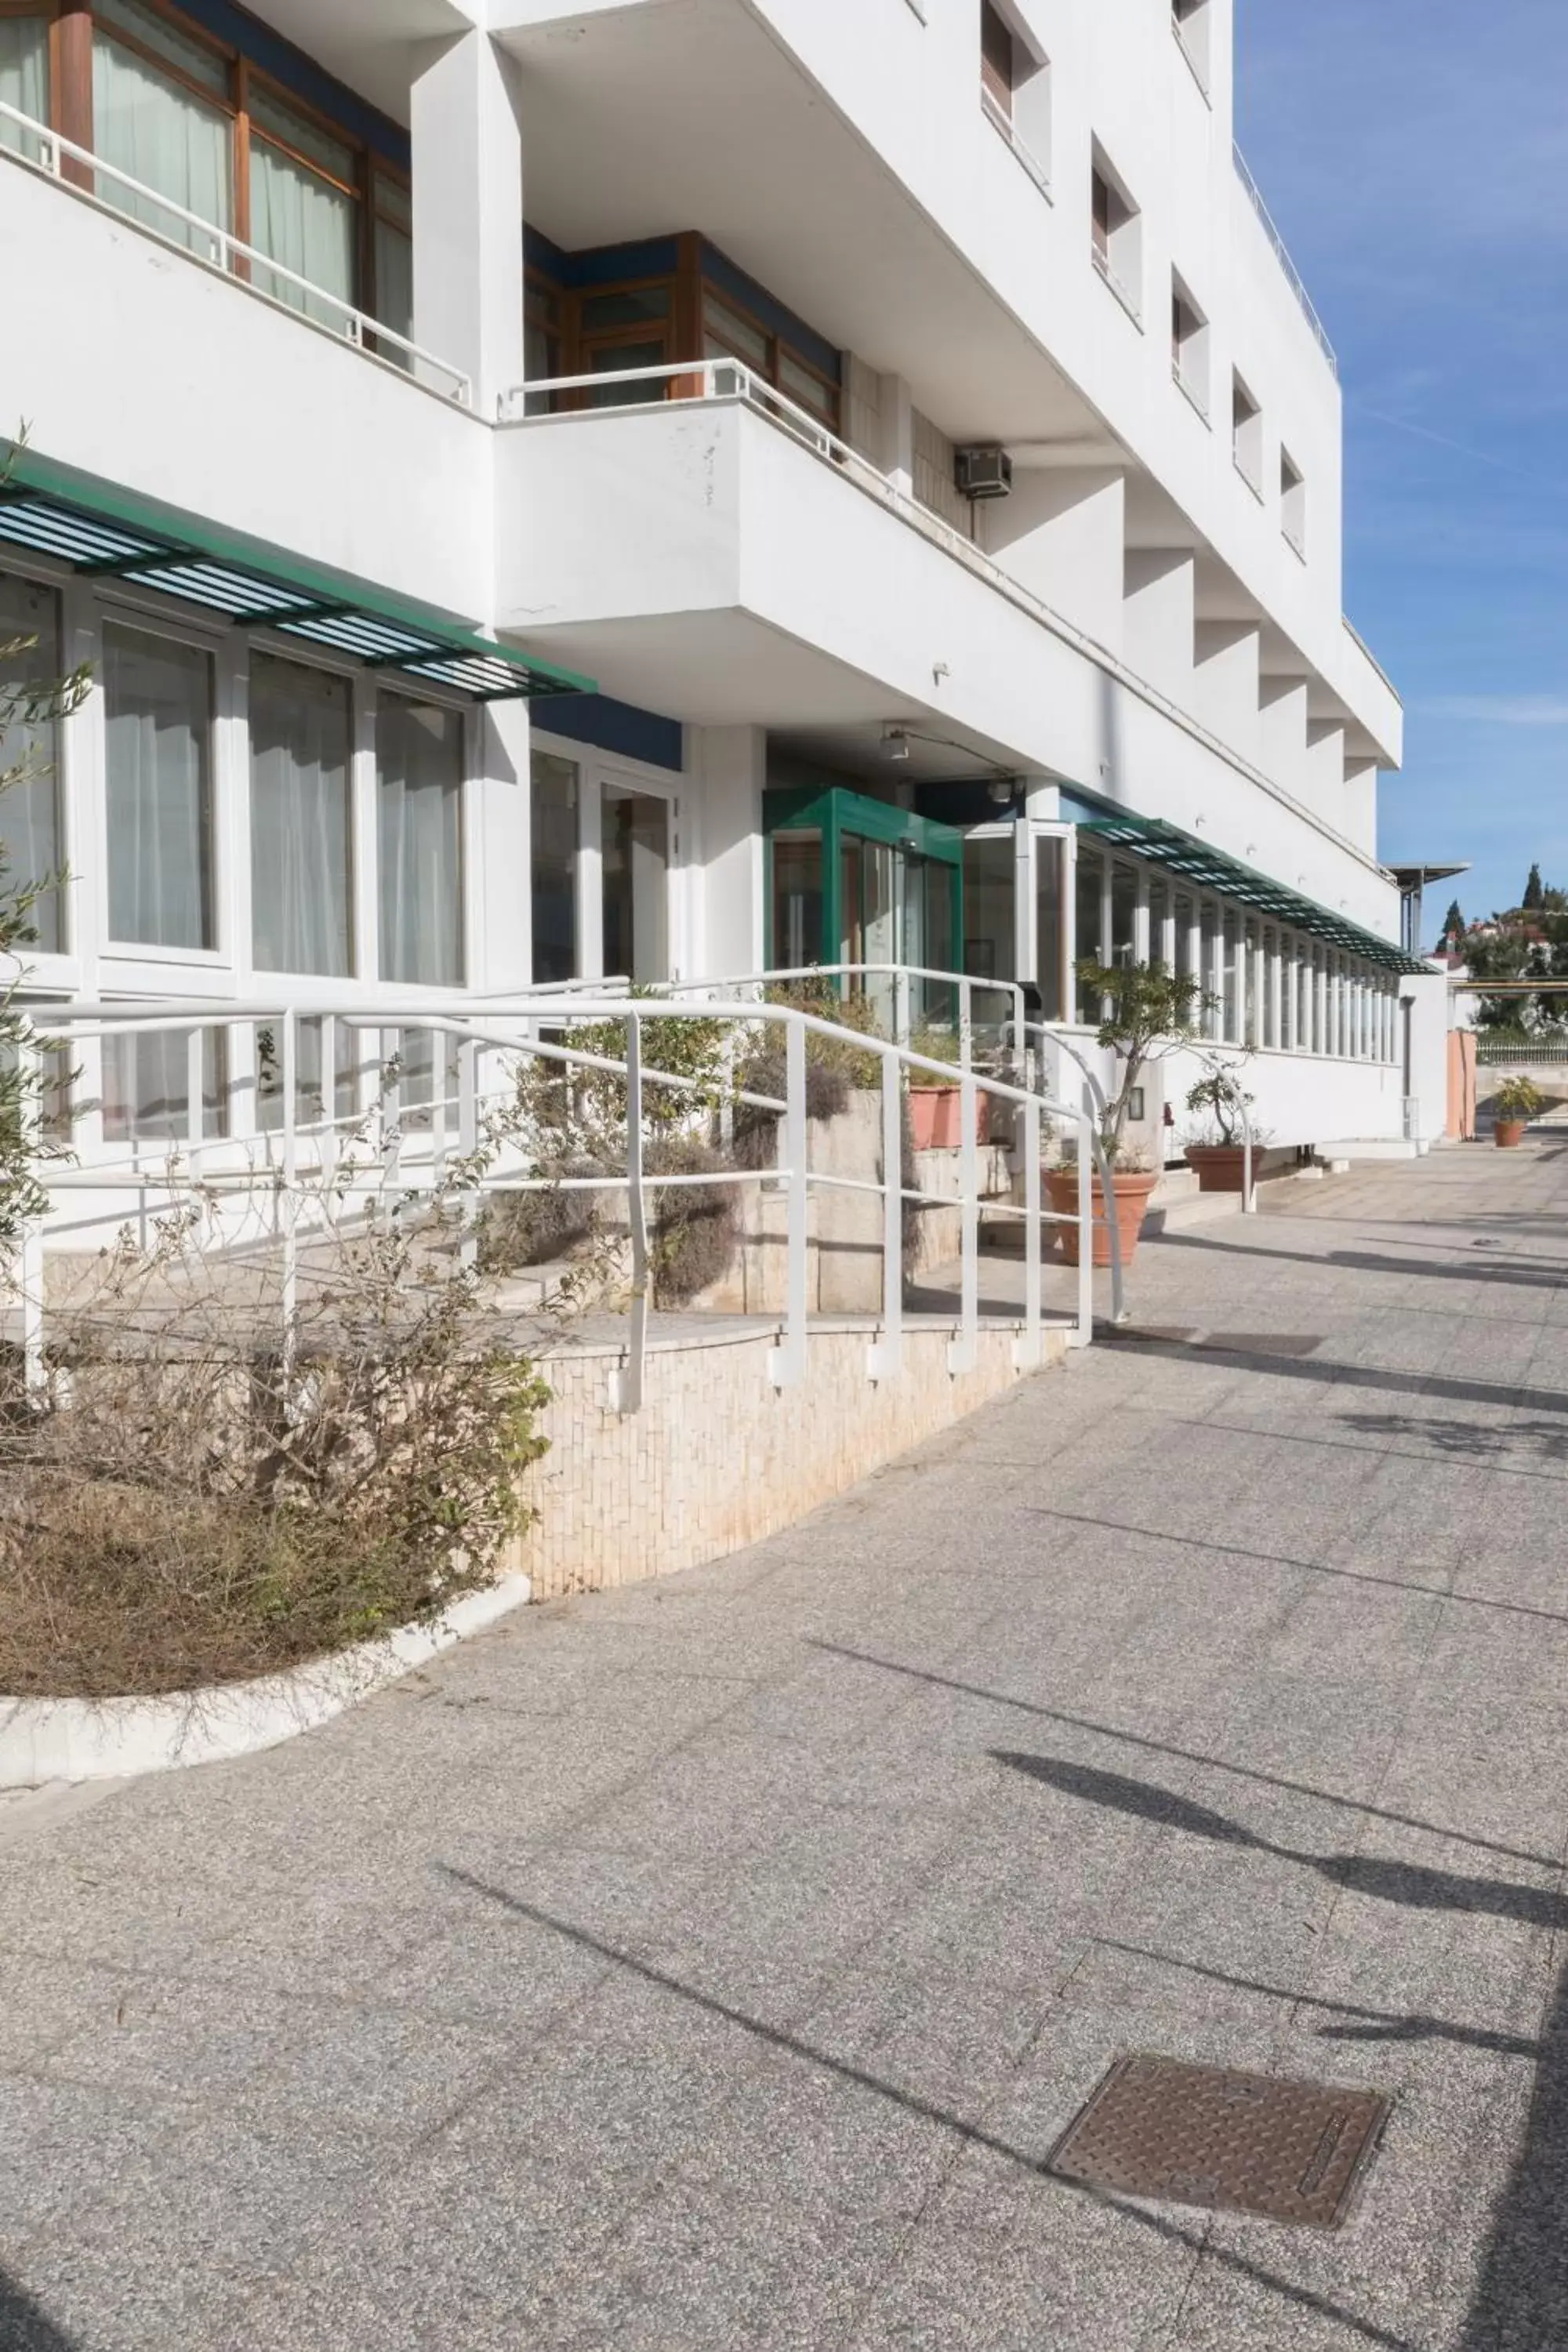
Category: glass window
[1287,992]
[24,80]
[730,336]
[1183,961]
[158,713]
[615,359]
[419,763]
[303,209]
[1159,911]
[554,866]
[1230,978]
[1251,993]
[632,306]
[1212,977]
[393,261]
[809,390]
[1087,915]
[797,899]
[147,1086]
[1048,924]
[990,909]
[1123,914]
[635,861]
[30,804]
[149,122]
[299,893]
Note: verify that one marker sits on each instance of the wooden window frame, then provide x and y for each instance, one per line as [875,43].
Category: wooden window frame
[777,346]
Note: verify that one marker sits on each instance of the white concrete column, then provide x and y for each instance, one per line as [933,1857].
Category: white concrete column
[467,135]
[727,922]
[500,835]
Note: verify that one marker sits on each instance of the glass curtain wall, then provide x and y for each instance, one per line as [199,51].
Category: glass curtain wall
[635,851]
[1088,909]
[1049,977]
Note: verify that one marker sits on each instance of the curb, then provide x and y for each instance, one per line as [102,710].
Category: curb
[44,1739]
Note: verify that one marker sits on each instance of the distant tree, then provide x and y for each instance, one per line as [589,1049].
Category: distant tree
[1452,929]
[1530,901]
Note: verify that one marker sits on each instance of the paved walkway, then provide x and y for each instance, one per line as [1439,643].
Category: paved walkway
[716,1964]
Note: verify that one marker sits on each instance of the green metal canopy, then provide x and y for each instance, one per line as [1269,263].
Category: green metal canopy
[103,530]
[1212,870]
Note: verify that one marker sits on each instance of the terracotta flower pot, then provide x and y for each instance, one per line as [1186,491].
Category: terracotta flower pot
[1218,1167]
[936,1117]
[1510,1133]
[1132,1188]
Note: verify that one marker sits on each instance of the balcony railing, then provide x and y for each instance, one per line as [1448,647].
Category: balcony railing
[1293,278]
[214,248]
[562,399]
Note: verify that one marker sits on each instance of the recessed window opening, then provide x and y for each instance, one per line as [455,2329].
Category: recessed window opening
[1190,22]
[1189,346]
[1247,435]
[1014,89]
[997,58]
[1292,502]
[1116,235]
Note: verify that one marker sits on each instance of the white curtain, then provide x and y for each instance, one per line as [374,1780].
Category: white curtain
[302,221]
[157,738]
[163,136]
[394,285]
[298,818]
[419,757]
[24,78]
[30,804]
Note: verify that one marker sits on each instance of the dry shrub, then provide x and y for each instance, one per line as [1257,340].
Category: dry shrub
[695,1225]
[189,1506]
[520,1229]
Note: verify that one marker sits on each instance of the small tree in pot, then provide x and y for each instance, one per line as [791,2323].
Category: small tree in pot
[1218,1154]
[1518,1100]
[1148,1012]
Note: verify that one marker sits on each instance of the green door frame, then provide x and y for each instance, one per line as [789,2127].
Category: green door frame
[834,812]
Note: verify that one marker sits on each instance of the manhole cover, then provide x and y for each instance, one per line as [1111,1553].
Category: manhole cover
[1208,2136]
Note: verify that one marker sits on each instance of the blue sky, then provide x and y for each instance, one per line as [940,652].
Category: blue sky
[1414,155]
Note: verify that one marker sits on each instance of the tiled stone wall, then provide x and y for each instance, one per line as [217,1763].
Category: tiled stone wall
[718,1457]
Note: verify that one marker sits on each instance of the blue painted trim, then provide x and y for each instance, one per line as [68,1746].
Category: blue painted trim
[293,70]
[722,271]
[600,720]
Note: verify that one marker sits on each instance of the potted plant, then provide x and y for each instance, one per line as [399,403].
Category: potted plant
[1518,1100]
[1218,1157]
[1149,1012]
[936,1104]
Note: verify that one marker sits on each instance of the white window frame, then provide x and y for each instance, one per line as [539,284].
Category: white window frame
[595,770]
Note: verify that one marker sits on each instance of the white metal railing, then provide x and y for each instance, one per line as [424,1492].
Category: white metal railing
[714,381]
[301,1160]
[1293,278]
[224,252]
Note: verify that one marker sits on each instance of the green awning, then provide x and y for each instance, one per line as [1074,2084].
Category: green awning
[1211,869]
[103,530]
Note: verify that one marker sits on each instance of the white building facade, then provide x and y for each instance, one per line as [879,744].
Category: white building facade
[678,487]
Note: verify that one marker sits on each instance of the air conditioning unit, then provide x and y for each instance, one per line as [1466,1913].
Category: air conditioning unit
[984,473]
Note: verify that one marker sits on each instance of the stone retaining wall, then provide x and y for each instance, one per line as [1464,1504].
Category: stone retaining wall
[718,1457]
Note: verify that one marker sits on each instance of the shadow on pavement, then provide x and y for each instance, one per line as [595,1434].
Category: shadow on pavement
[1326,1374]
[1375,1262]
[1198,2240]
[1365,2025]
[1188,1755]
[23,2325]
[1407,1883]
[1521,2302]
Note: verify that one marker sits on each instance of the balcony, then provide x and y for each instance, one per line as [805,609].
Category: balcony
[708,549]
[201,372]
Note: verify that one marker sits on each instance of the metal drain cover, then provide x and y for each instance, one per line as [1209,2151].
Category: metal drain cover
[1209,2135]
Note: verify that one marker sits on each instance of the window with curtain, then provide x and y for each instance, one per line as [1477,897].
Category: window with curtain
[158,715]
[160,113]
[303,211]
[299,866]
[29,806]
[394,242]
[24,80]
[147,1086]
[554,866]
[419,765]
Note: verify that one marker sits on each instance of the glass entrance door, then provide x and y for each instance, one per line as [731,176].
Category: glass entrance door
[635,850]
